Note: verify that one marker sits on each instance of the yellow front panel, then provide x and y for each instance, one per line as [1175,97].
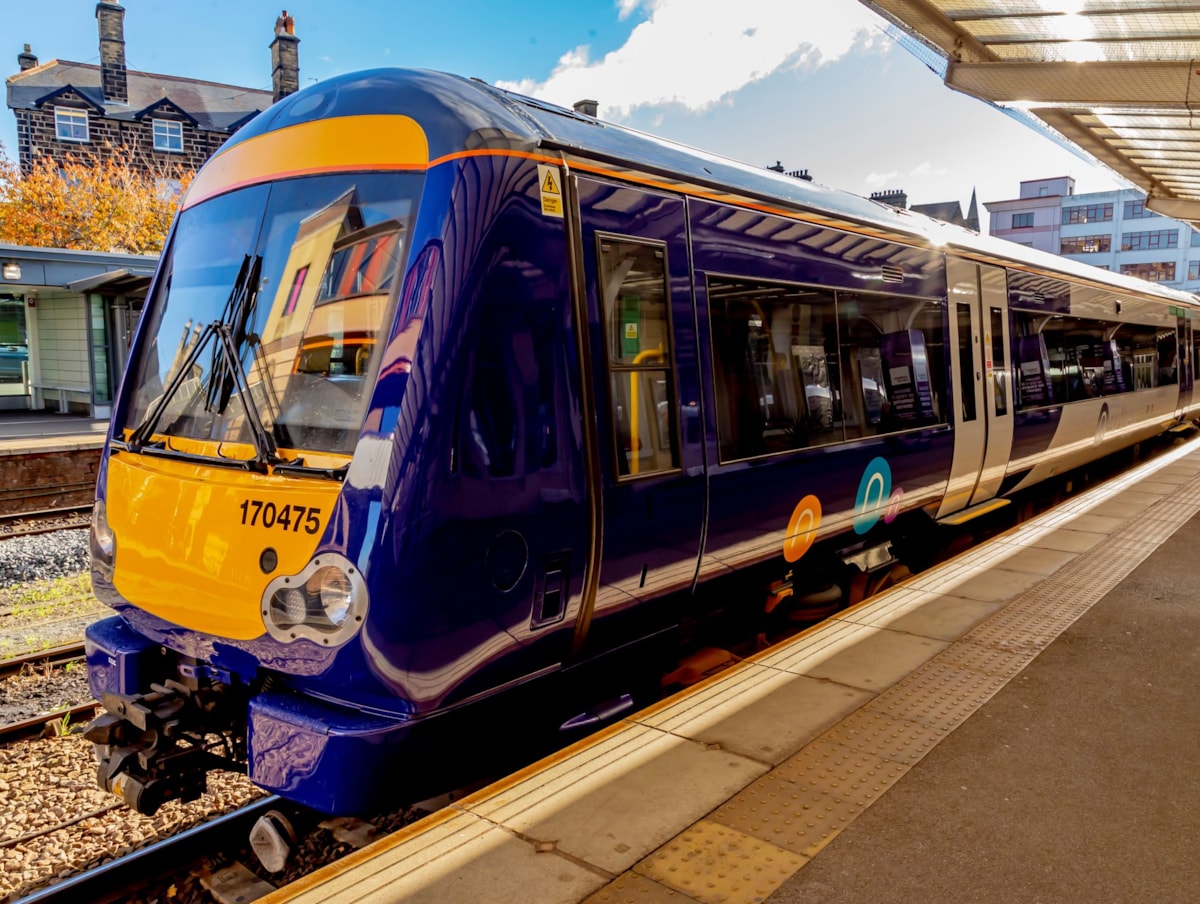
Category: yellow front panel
[189,538]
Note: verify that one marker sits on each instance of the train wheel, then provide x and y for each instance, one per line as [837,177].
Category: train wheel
[816,605]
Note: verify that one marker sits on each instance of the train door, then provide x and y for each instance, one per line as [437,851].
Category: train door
[642,344]
[983,420]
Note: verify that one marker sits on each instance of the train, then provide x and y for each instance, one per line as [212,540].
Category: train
[449,408]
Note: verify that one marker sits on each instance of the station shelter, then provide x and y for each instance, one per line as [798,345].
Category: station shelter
[66,321]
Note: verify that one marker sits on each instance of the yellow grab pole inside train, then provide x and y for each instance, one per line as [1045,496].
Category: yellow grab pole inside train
[633,405]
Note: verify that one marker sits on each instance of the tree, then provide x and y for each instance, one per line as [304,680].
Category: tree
[90,204]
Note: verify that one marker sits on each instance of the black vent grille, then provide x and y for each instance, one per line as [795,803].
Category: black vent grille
[892,274]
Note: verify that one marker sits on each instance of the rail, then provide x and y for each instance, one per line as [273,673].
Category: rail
[115,880]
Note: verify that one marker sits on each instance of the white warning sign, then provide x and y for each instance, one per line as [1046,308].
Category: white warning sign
[550,182]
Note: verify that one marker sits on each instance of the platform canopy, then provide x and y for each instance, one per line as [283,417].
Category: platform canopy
[1120,80]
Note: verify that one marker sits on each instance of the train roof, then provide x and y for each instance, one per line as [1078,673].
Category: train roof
[459,114]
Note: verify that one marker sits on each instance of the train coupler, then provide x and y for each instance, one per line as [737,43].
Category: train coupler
[156,747]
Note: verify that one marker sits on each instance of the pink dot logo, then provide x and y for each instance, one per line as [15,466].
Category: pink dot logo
[893,506]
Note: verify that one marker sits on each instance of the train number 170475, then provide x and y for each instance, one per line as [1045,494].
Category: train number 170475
[284,517]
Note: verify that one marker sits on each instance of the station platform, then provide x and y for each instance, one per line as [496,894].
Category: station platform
[1017,724]
[31,432]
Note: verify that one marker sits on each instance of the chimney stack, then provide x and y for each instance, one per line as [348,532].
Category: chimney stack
[892,197]
[285,57]
[26,60]
[587,107]
[110,17]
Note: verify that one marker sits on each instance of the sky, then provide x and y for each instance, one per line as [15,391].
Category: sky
[813,84]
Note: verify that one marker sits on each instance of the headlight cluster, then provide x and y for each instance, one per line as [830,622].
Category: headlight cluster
[102,541]
[325,603]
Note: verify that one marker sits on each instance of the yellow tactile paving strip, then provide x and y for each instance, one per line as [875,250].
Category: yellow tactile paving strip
[711,863]
[721,793]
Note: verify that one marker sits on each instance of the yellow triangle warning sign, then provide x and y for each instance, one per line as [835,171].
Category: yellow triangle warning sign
[552,196]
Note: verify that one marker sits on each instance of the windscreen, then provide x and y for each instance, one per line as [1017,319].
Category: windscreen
[272,303]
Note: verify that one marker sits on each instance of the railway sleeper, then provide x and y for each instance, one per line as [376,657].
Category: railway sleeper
[159,746]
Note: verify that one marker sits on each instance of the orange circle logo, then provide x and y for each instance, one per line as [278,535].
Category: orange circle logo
[802,528]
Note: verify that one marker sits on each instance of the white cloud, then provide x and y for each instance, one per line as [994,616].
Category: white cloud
[625,8]
[879,180]
[928,169]
[696,52]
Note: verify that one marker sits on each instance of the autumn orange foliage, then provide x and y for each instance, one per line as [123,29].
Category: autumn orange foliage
[89,204]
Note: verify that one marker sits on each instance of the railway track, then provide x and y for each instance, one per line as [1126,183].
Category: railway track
[44,521]
[119,880]
[57,720]
[50,658]
[33,726]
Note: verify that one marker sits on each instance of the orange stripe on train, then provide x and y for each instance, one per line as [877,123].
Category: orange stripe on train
[375,142]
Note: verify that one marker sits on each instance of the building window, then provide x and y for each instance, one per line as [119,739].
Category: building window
[1195,238]
[1022,220]
[168,136]
[1085,244]
[1142,241]
[1137,209]
[1154,271]
[70,125]
[1091,213]
[1193,269]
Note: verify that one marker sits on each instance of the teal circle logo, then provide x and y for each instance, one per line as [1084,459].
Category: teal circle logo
[874,494]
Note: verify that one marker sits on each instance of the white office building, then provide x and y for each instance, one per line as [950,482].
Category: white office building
[1111,230]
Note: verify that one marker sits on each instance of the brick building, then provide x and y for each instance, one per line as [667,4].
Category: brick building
[168,122]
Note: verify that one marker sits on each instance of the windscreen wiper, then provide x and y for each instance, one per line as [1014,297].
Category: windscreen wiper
[267,453]
[149,423]
[221,379]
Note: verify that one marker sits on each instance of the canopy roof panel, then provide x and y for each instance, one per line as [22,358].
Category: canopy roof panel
[1121,80]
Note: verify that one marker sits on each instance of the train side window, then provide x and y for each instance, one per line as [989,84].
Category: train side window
[775,364]
[966,361]
[1087,358]
[634,296]
[892,362]
[1168,357]
[999,361]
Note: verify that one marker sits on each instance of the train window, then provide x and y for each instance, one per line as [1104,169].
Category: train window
[892,363]
[1086,358]
[1168,357]
[966,362]
[999,361]
[633,284]
[302,273]
[797,366]
[775,366]
[508,424]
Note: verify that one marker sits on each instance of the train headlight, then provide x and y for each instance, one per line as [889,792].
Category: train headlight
[336,593]
[325,603]
[102,541]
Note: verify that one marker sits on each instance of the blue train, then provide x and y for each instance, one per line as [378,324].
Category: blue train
[449,406]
